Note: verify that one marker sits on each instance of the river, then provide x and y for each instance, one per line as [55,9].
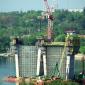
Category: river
[7,68]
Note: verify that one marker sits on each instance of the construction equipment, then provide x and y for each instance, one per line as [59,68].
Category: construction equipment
[63,53]
[50,20]
[56,69]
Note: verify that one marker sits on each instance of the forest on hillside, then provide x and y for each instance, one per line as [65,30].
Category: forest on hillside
[30,24]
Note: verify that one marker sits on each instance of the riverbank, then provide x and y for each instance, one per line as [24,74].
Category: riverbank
[54,82]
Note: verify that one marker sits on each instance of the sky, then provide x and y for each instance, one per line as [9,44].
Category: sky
[25,5]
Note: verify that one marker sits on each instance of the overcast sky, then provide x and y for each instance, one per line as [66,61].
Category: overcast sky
[24,5]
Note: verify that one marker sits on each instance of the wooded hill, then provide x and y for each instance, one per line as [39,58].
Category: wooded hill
[30,24]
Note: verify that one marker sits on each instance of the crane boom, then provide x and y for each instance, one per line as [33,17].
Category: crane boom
[47,6]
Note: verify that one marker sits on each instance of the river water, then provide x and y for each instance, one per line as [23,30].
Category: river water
[7,68]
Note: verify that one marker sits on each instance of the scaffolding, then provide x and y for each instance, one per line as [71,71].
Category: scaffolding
[29,65]
[27,61]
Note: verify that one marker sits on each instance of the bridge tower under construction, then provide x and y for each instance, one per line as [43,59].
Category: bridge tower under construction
[49,59]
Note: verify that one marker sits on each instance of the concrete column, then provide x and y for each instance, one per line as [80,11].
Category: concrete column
[17,83]
[67,67]
[70,67]
[44,64]
[38,61]
[17,65]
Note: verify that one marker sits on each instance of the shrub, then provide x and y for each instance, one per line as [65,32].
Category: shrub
[60,82]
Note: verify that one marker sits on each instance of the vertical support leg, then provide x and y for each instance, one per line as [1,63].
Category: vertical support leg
[44,64]
[17,83]
[71,69]
[67,67]
[17,65]
[38,61]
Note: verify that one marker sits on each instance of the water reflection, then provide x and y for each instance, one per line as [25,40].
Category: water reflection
[7,68]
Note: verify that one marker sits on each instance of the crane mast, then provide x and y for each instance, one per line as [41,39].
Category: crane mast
[50,21]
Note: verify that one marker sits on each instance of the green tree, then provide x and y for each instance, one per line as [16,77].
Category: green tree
[60,38]
[29,40]
[4,44]
[82,49]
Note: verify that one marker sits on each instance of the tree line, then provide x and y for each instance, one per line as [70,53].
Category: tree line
[31,24]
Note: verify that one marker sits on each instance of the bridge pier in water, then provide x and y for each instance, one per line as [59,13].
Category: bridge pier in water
[28,62]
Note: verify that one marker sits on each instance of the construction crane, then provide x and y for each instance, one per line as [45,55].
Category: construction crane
[50,21]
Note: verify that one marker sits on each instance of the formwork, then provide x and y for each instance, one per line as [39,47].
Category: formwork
[27,61]
[54,55]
